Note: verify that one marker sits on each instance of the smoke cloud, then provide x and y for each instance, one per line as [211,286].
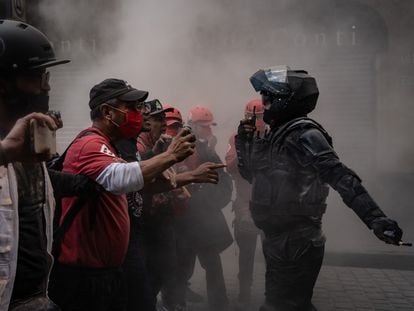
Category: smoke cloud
[203,52]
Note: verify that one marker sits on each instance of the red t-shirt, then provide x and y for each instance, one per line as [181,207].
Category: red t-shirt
[105,242]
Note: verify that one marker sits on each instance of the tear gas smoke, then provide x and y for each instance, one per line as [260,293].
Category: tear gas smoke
[203,52]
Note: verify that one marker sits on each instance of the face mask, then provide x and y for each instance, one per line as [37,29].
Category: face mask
[268,116]
[204,132]
[23,104]
[132,125]
[277,111]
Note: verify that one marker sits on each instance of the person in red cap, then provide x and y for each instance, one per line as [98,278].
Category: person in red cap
[87,273]
[245,231]
[179,204]
[159,209]
[202,229]
[201,120]
[174,120]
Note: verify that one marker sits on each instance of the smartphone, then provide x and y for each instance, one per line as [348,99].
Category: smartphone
[43,139]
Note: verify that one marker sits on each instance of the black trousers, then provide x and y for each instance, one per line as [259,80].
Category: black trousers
[246,239]
[292,267]
[210,261]
[84,289]
[161,257]
[138,290]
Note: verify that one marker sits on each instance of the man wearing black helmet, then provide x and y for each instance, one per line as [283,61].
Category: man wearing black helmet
[26,204]
[290,170]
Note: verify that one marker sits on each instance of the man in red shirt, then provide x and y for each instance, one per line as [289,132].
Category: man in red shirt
[87,274]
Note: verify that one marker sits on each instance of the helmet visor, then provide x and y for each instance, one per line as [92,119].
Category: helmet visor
[273,80]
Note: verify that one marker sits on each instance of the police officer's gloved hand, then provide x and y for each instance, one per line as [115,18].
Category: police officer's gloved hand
[87,187]
[246,130]
[387,230]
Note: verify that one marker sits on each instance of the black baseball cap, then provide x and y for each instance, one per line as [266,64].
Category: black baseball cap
[114,88]
[156,107]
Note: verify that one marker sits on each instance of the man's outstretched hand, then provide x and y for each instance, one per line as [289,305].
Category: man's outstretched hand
[207,173]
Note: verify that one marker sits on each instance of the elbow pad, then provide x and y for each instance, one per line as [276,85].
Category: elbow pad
[355,195]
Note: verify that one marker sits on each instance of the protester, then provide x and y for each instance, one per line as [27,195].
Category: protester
[160,208]
[202,230]
[27,197]
[87,274]
[245,231]
[137,289]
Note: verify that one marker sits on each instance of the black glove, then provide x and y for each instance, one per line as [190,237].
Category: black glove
[387,230]
[244,134]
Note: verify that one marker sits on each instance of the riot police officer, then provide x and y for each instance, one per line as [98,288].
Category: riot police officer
[290,170]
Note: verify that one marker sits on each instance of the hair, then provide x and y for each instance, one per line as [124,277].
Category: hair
[96,113]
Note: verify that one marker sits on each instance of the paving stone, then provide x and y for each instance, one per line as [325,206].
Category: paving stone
[337,288]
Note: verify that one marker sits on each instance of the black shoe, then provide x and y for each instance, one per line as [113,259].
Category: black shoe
[193,296]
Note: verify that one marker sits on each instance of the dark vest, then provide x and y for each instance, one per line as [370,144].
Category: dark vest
[281,185]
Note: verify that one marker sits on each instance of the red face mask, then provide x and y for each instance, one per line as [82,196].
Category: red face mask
[204,131]
[132,125]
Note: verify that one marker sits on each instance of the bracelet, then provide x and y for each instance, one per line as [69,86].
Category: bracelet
[3,158]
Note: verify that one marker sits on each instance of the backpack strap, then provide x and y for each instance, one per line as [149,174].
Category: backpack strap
[77,206]
[56,163]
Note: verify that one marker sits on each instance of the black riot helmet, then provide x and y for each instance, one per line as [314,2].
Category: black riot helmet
[23,47]
[292,93]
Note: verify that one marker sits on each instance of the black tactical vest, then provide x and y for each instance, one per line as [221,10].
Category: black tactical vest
[282,184]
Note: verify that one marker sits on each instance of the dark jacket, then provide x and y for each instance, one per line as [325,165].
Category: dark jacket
[290,171]
[203,224]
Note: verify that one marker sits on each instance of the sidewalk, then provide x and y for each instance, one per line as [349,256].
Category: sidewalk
[338,287]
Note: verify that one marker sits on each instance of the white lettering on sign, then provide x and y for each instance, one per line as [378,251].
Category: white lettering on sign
[80,45]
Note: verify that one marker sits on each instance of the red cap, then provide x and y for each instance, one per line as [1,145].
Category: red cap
[254,103]
[172,115]
[201,115]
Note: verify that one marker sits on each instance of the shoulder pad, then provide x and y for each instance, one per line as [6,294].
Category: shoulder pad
[316,142]
[300,124]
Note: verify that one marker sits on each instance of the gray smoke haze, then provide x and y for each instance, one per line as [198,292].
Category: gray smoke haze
[203,52]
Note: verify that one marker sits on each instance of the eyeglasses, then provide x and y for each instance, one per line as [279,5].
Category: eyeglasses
[138,106]
[42,77]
